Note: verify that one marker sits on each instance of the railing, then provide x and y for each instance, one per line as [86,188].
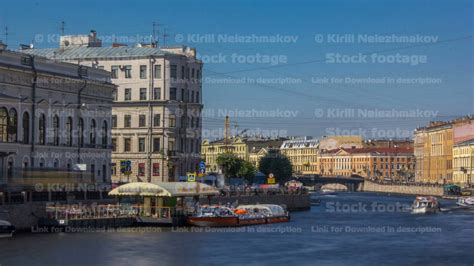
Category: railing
[78,212]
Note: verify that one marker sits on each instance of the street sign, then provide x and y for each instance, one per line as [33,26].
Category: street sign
[271,179]
[202,169]
[191,177]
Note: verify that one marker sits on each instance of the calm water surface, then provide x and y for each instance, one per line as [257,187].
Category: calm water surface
[346,229]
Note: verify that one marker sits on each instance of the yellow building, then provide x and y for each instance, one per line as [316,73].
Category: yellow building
[247,149]
[434,149]
[395,163]
[303,154]
[463,162]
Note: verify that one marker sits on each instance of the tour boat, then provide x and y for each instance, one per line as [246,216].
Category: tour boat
[218,216]
[466,202]
[6,229]
[424,204]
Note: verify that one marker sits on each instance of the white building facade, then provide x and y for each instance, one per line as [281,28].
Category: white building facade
[54,117]
[156,122]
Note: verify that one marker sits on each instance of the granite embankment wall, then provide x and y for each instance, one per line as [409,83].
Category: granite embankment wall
[298,202]
[25,216]
[369,186]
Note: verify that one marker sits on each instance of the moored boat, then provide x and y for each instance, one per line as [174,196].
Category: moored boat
[6,229]
[218,216]
[467,202]
[425,204]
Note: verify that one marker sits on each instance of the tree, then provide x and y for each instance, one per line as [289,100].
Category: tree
[230,164]
[247,170]
[278,164]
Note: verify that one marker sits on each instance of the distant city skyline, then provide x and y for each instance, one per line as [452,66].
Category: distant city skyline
[301,69]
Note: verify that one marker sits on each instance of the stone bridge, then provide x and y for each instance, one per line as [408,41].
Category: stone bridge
[352,183]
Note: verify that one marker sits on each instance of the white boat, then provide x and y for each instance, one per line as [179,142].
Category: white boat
[424,204]
[6,229]
[466,202]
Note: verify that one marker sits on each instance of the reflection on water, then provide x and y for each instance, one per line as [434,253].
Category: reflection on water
[346,228]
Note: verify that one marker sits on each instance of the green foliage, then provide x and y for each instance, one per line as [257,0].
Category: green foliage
[233,166]
[247,171]
[278,164]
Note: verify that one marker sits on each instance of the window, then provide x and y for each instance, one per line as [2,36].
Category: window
[156,169]
[156,120]
[128,94]
[26,128]
[42,129]
[115,71]
[114,94]
[69,131]
[80,128]
[143,71]
[156,144]
[197,122]
[173,71]
[192,73]
[141,169]
[171,145]
[192,97]
[93,171]
[173,94]
[3,125]
[92,133]
[104,134]
[182,72]
[197,96]
[198,75]
[182,95]
[126,144]
[127,121]
[128,71]
[172,121]
[157,73]
[56,130]
[141,145]
[114,121]
[12,125]
[157,94]
[142,94]
[142,120]
[114,144]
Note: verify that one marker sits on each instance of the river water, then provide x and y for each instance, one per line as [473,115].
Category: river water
[345,229]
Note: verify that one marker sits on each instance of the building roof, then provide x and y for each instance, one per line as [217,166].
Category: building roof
[300,143]
[372,150]
[465,143]
[73,53]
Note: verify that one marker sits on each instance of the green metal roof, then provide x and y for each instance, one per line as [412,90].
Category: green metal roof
[74,53]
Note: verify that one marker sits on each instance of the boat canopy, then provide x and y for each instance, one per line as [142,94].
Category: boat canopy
[164,189]
[137,189]
[272,208]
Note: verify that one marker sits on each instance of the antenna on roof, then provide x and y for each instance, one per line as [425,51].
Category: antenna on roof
[155,33]
[6,34]
[165,35]
[63,27]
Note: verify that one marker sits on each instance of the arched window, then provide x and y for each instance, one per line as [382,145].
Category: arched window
[12,125]
[42,129]
[56,130]
[56,164]
[69,131]
[93,133]
[26,128]
[104,134]
[3,125]
[81,132]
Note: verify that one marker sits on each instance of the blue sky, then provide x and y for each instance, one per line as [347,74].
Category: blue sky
[302,106]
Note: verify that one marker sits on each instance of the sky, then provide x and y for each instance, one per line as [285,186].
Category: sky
[291,67]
